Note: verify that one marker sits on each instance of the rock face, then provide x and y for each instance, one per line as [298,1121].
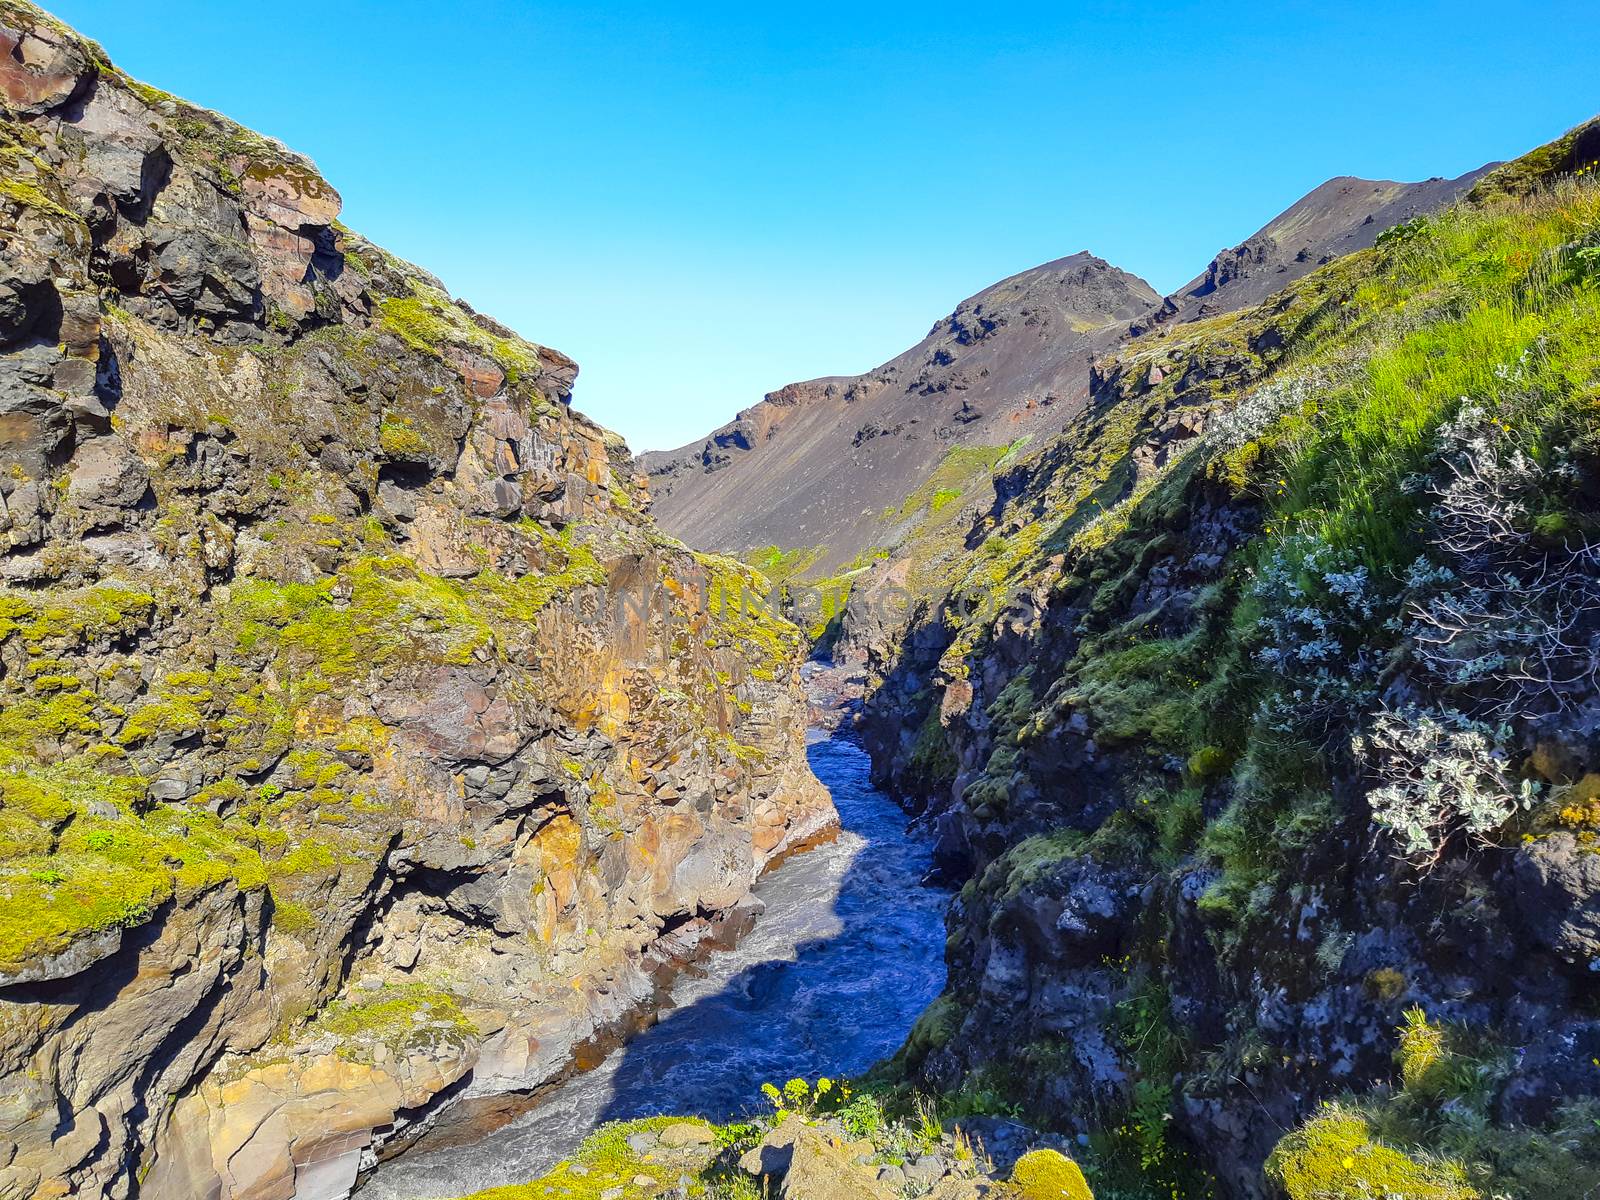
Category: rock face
[1151,714]
[362,745]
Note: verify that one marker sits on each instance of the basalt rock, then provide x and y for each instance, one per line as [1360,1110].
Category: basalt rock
[362,744]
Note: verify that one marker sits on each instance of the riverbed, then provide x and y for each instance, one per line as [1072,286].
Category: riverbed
[848,952]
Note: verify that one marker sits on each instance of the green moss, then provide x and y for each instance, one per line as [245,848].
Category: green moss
[933,1029]
[1209,762]
[605,1166]
[72,615]
[394,610]
[1030,859]
[30,195]
[830,595]
[932,758]
[79,855]
[1386,983]
[40,726]
[399,439]
[1049,1175]
[740,606]
[178,706]
[408,1019]
[428,320]
[1333,1157]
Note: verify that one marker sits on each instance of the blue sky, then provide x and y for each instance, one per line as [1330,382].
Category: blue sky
[703,202]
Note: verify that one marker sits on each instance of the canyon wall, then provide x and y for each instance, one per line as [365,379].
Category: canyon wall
[1258,716]
[363,745]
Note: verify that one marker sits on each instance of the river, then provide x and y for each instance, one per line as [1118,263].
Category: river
[848,952]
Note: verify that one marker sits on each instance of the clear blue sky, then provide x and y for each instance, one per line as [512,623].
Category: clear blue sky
[701,205]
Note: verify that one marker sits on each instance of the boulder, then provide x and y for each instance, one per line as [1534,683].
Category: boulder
[773,1155]
[26,294]
[106,474]
[41,67]
[685,1134]
[819,1169]
[1558,896]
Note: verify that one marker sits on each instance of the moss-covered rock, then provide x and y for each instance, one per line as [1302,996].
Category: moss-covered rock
[312,587]
[1048,1175]
[1333,1157]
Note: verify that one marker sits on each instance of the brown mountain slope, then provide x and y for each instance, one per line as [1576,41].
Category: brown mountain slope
[816,463]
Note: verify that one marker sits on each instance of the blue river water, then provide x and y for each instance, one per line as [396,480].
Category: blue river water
[848,952]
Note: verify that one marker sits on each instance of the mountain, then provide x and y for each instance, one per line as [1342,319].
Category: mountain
[354,753]
[1341,216]
[815,464]
[826,470]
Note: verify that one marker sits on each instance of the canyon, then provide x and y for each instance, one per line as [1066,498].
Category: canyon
[405,791]
[819,472]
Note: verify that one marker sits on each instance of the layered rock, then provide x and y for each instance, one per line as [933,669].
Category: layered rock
[363,746]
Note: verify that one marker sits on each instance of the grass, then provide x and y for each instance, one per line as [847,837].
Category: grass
[1444,315]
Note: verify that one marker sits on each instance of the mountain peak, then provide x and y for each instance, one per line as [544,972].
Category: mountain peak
[818,463]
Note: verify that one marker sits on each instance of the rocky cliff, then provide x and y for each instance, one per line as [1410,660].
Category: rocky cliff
[362,745]
[1258,715]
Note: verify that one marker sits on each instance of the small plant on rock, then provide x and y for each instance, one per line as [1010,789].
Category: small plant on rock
[1421,1051]
[1440,773]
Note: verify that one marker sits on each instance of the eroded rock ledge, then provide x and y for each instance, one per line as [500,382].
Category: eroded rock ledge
[362,744]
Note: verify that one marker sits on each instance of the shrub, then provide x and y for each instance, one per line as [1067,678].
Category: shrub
[1440,773]
[1317,608]
[1262,406]
[1508,621]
